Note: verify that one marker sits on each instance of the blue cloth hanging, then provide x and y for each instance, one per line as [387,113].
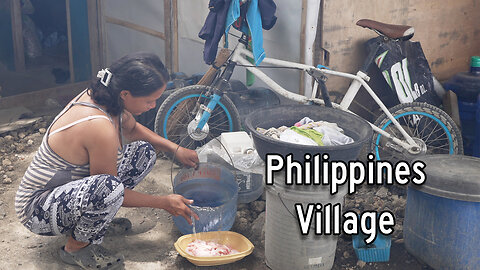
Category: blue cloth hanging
[254,22]
[223,13]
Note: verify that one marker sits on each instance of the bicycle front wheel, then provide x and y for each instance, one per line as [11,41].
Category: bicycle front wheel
[430,127]
[174,120]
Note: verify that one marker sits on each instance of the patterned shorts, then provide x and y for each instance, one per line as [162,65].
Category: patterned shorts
[84,208]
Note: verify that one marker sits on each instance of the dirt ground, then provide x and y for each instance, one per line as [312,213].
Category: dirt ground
[150,243]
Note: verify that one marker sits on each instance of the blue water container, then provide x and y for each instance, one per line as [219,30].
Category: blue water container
[215,193]
[442,216]
[466,86]
[476,145]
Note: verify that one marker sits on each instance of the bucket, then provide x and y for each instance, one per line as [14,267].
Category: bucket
[214,191]
[442,215]
[285,246]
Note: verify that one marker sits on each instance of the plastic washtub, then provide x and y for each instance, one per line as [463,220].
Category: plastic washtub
[231,239]
[287,115]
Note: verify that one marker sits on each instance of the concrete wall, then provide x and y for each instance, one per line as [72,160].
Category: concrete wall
[449,31]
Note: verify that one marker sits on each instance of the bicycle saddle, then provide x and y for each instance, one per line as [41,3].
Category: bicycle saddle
[402,32]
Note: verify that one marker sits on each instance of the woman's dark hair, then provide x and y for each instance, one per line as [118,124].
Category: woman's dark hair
[140,73]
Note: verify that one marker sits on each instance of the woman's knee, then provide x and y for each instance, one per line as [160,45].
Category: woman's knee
[147,149]
[148,146]
[138,160]
[106,190]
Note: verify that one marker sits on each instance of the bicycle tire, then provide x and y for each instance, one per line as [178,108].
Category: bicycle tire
[444,138]
[171,122]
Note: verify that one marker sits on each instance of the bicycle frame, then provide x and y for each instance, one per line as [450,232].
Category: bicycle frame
[360,79]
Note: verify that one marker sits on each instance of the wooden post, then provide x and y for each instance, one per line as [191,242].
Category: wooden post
[93,29]
[101,34]
[69,35]
[221,58]
[167,11]
[320,55]
[302,45]
[17,35]
[175,35]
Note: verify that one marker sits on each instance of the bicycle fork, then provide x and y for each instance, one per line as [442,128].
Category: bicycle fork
[203,115]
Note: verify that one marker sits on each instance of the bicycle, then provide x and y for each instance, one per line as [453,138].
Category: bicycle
[196,114]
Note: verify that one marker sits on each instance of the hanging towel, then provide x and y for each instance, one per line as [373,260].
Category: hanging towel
[213,28]
[254,21]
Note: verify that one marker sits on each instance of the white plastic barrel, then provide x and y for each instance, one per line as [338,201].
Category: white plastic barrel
[285,246]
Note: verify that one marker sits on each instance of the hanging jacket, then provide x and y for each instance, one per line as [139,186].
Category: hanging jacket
[260,14]
[213,28]
[267,12]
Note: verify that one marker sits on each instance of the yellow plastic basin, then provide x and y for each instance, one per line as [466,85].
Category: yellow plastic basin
[231,239]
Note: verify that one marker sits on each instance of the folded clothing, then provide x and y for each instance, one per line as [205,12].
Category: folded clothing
[310,133]
[293,137]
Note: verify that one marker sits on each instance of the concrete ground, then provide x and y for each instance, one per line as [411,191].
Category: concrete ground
[148,246]
[150,243]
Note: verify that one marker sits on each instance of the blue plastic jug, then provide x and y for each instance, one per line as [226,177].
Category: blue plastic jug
[215,193]
[466,86]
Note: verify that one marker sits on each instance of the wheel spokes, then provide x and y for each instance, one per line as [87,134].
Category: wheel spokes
[177,128]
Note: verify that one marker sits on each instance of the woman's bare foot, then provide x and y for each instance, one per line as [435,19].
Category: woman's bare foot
[73,245]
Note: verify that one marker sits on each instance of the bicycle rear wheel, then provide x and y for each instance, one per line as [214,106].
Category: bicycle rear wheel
[430,127]
[174,120]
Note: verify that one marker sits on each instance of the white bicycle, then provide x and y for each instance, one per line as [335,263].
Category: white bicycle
[196,114]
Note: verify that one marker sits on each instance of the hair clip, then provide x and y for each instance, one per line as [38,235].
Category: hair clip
[105,76]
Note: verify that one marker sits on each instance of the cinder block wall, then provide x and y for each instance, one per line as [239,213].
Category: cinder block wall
[449,31]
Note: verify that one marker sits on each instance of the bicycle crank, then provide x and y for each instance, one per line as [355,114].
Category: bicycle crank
[420,149]
[413,152]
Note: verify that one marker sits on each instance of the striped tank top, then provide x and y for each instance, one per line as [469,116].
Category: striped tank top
[48,170]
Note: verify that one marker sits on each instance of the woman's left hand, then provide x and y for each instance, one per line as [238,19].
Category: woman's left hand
[187,157]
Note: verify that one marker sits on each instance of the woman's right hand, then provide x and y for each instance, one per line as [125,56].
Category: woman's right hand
[177,205]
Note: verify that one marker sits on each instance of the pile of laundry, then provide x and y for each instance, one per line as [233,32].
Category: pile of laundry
[309,132]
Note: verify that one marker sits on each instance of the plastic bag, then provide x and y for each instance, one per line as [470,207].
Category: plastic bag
[333,136]
[406,70]
[214,151]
